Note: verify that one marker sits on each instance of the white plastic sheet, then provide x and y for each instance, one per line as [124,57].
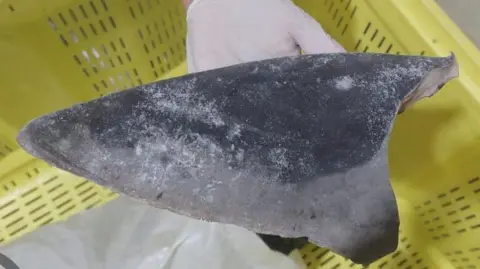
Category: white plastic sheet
[125,234]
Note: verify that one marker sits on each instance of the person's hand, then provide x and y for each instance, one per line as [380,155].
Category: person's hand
[228,32]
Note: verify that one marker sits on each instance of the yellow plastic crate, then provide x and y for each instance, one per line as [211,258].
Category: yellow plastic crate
[54,53]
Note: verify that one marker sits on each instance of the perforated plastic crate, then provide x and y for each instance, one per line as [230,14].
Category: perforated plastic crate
[54,53]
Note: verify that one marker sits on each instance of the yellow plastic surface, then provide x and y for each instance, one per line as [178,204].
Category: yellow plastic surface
[54,53]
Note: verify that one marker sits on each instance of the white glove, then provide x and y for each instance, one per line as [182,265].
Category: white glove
[228,32]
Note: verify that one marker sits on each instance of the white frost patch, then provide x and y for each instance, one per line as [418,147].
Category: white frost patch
[185,101]
[344,83]
[240,155]
[274,68]
[64,144]
[138,149]
[278,156]
[234,132]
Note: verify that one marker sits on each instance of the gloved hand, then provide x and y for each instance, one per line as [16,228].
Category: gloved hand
[228,32]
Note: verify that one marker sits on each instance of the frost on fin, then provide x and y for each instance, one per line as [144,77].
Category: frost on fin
[293,146]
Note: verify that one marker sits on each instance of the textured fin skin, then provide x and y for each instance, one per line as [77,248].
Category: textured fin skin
[294,146]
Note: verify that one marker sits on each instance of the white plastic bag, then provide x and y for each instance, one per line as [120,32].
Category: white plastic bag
[125,234]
